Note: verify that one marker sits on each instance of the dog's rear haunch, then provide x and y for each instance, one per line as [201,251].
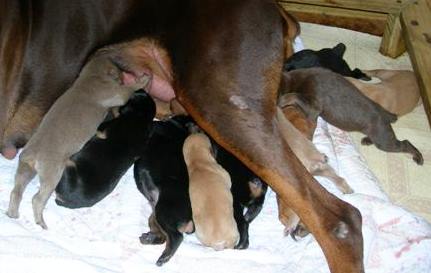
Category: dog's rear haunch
[71,122]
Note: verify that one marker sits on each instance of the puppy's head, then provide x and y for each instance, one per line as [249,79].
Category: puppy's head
[140,105]
[196,144]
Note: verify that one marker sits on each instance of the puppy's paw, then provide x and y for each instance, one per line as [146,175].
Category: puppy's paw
[12,214]
[418,158]
[366,141]
[300,231]
[151,238]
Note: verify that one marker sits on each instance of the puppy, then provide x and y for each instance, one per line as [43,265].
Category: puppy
[210,195]
[71,122]
[330,58]
[397,91]
[161,176]
[168,188]
[248,192]
[322,92]
[95,170]
[298,118]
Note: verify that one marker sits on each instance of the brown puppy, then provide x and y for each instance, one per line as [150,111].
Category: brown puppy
[210,195]
[397,91]
[72,121]
[322,92]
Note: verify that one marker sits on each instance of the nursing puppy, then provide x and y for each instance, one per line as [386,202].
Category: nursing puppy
[210,195]
[322,92]
[397,91]
[330,58]
[161,176]
[95,170]
[247,189]
[168,188]
[72,121]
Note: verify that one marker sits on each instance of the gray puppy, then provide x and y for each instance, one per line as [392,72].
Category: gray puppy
[73,119]
[321,92]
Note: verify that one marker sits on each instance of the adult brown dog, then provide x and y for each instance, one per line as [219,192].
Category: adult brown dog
[214,46]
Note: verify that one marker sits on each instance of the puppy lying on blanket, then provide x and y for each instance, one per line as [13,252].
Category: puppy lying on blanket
[397,91]
[71,122]
[100,164]
[330,58]
[322,92]
[314,161]
[167,189]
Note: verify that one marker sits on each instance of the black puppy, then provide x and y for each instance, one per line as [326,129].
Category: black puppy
[330,58]
[94,171]
[161,176]
[322,92]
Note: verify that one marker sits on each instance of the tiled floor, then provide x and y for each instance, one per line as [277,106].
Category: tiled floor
[406,183]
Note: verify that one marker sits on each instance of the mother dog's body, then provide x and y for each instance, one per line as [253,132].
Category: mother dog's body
[214,46]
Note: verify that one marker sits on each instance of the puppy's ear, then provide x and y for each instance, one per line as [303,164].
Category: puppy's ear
[131,71]
[339,49]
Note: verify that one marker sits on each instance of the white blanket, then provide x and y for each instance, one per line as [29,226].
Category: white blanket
[104,238]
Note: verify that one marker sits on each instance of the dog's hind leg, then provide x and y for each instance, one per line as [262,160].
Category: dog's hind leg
[234,101]
[383,137]
[24,174]
[49,175]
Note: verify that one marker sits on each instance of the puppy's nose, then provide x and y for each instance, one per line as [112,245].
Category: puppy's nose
[9,152]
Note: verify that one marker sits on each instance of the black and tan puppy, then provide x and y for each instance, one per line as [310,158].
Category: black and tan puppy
[161,176]
[330,58]
[322,92]
[167,189]
[95,170]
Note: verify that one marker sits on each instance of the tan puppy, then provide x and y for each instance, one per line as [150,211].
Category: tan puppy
[210,195]
[314,161]
[72,120]
[397,91]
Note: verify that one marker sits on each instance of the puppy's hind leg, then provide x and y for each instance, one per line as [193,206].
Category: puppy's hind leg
[173,241]
[383,136]
[24,174]
[327,171]
[49,175]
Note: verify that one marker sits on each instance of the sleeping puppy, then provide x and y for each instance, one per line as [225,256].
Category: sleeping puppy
[210,195]
[95,170]
[397,91]
[322,92]
[168,188]
[72,120]
[330,58]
